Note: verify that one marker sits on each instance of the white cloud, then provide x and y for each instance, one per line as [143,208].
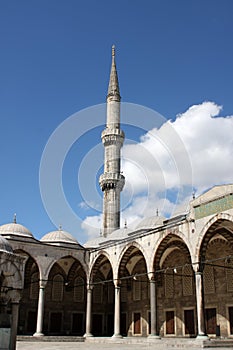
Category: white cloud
[92,226]
[193,151]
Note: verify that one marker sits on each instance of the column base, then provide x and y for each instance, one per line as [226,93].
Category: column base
[154,336]
[202,337]
[87,335]
[38,334]
[117,336]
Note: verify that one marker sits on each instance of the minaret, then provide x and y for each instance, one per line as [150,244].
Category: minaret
[112,181]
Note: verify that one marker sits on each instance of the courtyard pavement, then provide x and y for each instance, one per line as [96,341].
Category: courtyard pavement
[26,345]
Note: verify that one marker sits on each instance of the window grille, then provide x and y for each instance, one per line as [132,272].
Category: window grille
[187,280]
[58,288]
[79,289]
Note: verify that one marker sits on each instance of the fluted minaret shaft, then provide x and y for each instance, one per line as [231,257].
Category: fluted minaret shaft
[112,181]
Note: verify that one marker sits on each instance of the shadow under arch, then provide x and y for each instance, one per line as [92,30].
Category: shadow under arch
[101,257]
[102,284]
[126,251]
[175,288]
[215,254]
[65,298]
[178,235]
[29,301]
[219,221]
[135,296]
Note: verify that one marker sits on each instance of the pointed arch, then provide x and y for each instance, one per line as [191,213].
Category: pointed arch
[101,259]
[125,253]
[176,234]
[218,221]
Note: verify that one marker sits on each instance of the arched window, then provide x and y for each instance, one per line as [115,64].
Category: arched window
[57,288]
[98,291]
[137,289]
[209,285]
[229,275]
[34,286]
[169,283]
[125,288]
[187,280]
[79,289]
[111,291]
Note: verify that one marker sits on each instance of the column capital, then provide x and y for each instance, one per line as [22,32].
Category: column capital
[117,283]
[198,273]
[152,277]
[42,283]
[90,287]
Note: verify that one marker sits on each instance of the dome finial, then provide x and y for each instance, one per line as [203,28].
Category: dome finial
[113,50]
[194,194]
[125,223]
[14,219]
[60,227]
[157,212]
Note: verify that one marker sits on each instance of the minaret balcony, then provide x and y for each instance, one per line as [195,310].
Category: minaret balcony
[112,135]
[111,181]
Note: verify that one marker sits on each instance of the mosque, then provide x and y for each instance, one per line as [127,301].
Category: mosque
[165,278]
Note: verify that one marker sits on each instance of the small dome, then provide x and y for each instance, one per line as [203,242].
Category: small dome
[5,245]
[116,235]
[120,233]
[15,229]
[95,242]
[59,237]
[150,222]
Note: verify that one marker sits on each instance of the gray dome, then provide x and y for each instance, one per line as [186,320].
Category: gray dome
[15,229]
[95,242]
[5,245]
[116,235]
[59,237]
[150,222]
[120,233]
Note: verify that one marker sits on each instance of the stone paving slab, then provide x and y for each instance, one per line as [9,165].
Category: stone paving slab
[24,345]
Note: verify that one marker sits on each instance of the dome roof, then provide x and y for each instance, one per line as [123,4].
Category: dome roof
[120,233]
[116,235]
[95,242]
[15,229]
[150,222]
[5,245]
[59,237]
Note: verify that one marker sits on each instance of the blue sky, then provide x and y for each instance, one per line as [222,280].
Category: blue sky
[55,61]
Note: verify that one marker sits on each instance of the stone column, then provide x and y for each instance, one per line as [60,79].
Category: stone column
[117,313]
[40,310]
[153,309]
[200,306]
[15,296]
[88,312]
[14,324]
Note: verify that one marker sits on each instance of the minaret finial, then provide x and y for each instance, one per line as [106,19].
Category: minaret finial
[125,223]
[113,87]
[14,220]
[113,50]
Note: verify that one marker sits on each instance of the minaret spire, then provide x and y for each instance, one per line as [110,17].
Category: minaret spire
[113,86]
[112,181]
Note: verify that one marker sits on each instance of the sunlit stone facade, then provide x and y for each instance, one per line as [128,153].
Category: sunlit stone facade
[166,278]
